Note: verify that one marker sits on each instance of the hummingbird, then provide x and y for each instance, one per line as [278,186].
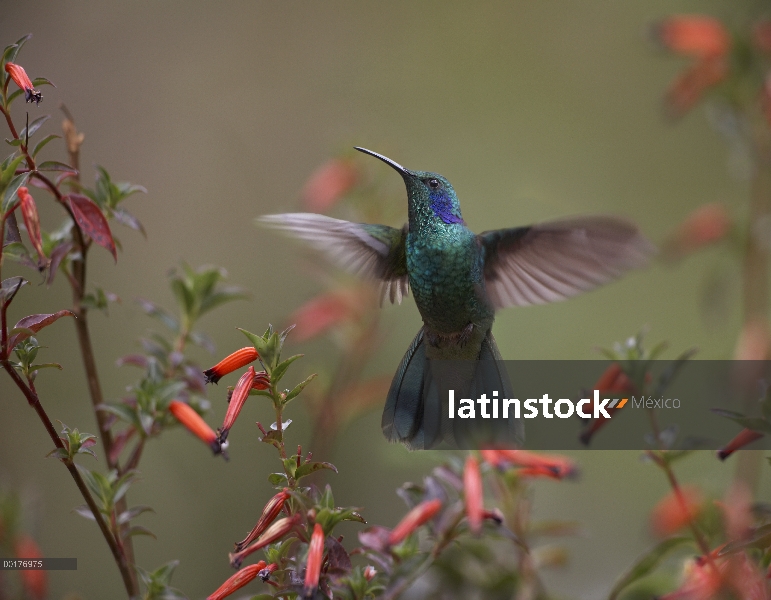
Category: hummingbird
[459,278]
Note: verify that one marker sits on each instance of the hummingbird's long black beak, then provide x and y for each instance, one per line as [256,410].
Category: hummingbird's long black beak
[386,160]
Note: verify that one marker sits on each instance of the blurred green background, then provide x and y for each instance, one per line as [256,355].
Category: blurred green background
[533,110]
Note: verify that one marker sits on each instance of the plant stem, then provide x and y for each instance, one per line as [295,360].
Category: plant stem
[120,559]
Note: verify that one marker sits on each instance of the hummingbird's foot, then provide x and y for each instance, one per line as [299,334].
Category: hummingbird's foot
[465,335]
[460,338]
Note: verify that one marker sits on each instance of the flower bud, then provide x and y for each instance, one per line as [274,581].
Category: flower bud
[269,513]
[275,532]
[237,581]
[315,558]
[472,489]
[239,396]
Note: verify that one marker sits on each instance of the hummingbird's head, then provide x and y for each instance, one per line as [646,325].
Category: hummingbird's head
[428,193]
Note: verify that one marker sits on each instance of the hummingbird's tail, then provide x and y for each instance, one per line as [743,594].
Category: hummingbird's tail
[416,410]
[403,413]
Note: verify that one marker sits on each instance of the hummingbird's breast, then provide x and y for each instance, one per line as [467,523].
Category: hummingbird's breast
[447,279]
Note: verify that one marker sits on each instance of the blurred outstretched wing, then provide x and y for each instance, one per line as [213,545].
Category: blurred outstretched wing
[375,252]
[553,261]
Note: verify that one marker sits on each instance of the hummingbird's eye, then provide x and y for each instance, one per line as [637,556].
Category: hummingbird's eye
[433,183]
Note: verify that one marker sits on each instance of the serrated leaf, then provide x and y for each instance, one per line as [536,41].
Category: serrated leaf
[92,221]
[312,467]
[42,143]
[649,561]
[299,388]
[34,323]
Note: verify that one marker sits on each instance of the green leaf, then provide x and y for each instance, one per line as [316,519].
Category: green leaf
[760,538]
[38,81]
[290,465]
[9,287]
[139,530]
[184,297]
[18,252]
[132,513]
[754,423]
[647,563]
[29,131]
[9,195]
[312,467]
[157,312]
[672,370]
[278,479]
[34,323]
[42,143]
[55,165]
[281,368]
[299,388]
[84,512]
[14,142]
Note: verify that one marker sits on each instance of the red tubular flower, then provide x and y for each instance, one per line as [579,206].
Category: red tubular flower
[194,423]
[707,40]
[275,532]
[232,362]
[696,35]
[761,36]
[613,381]
[328,184]
[323,312]
[269,513]
[237,581]
[34,581]
[472,489]
[315,558]
[31,220]
[676,510]
[239,396]
[20,78]
[706,225]
[535,465]
[423,512]
[743,438]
